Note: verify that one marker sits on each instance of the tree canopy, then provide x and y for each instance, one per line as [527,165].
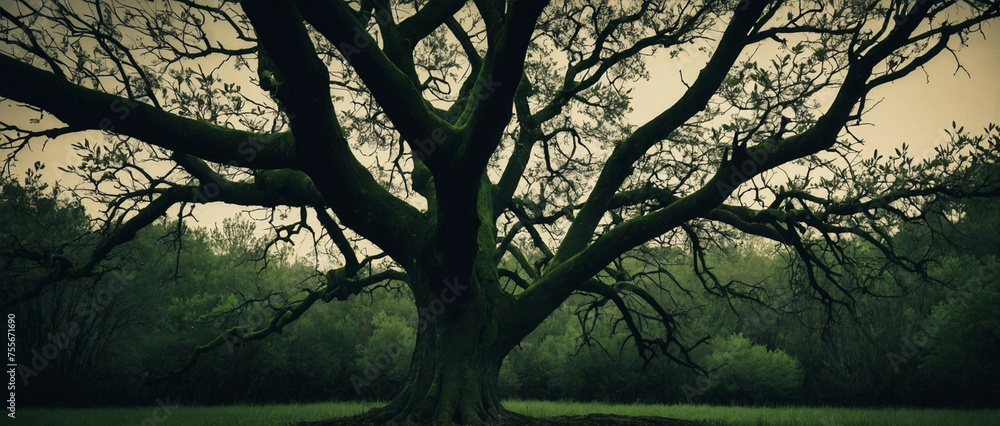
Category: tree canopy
[481,152]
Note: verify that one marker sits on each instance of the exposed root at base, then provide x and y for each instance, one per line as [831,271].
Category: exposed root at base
[519,419]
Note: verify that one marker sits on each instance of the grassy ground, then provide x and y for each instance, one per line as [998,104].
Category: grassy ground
[769,416]
[273,415]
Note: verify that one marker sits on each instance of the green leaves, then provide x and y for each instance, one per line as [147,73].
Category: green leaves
[749,372]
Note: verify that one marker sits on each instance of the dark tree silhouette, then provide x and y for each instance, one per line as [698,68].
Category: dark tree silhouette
[483,147]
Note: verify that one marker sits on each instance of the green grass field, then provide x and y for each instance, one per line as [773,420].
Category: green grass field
[272,415]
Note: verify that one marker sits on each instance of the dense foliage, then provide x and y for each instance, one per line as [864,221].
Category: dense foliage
[174,287]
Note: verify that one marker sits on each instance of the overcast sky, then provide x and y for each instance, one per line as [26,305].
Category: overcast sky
[914,110]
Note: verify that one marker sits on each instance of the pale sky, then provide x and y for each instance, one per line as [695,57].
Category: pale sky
[917,111]
[913,110]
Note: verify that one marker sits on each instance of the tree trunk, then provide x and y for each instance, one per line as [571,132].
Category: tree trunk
[454,372]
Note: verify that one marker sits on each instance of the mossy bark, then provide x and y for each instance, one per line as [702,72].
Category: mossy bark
[454,373]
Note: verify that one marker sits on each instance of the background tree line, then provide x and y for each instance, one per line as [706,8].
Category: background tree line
[931,340]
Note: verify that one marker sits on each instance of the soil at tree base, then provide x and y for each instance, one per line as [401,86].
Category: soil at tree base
[584,420]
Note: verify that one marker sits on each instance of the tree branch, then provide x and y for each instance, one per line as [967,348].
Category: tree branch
[395,92]
[323,152]
[86,109]
[619,164]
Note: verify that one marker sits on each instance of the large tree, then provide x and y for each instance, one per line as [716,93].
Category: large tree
[482,150]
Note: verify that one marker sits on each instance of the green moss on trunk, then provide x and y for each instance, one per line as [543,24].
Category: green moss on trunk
[454,373]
